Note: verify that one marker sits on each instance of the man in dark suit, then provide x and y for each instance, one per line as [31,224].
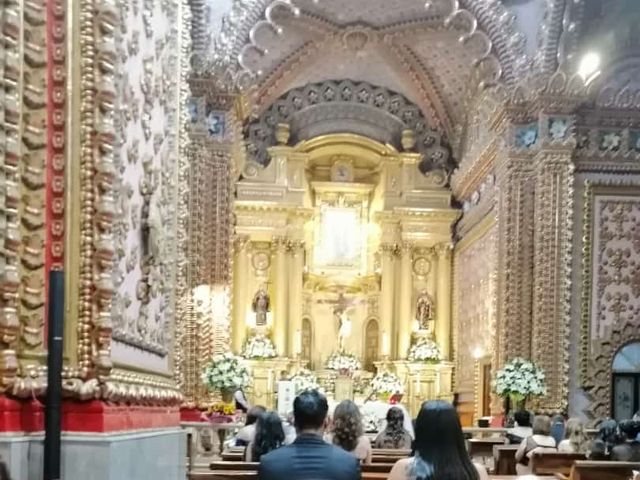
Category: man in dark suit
[309,457]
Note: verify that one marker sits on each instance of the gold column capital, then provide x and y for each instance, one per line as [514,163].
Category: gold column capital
[406,248]
[389,249]
[295,246]
[443,249]
[241,242]
[279,244]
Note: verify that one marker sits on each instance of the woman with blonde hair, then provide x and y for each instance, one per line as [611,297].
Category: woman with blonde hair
[576,440]
[348,432]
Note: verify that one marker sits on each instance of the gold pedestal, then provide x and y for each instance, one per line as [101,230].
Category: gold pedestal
[265,374]
[424,381]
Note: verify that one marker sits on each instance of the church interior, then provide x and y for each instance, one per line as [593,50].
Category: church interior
[348,193]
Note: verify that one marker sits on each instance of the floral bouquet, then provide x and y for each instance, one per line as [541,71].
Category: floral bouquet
[220,412]
[305,380]
[386,384]
[424,350]
[259,347]
[344,363]
[520,379]
[225,373]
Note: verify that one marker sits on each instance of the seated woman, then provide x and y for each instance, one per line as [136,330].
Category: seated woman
[246,433]
[394,435]
[540,441]
[605,440]
[348,432]
[269,436]
[629,450]
[576,440]
[439,448]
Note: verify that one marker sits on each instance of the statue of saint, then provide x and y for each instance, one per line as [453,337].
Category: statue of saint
[260,306]
[424,310]
[344,331]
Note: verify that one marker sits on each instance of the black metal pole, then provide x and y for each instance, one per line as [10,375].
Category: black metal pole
[53,407]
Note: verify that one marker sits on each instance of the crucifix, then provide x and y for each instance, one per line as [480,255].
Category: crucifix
[340,307]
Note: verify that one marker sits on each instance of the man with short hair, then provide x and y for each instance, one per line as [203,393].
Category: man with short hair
[309,457]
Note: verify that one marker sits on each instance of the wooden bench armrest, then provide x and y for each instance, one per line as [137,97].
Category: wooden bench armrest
[560,476]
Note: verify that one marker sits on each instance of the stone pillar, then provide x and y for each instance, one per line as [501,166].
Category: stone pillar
[240,300]
[443,300]
[296,272]
[405,295]
[551,315]
[281,287]
[387,253]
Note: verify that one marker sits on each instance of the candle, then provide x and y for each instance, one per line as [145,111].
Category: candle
[418,382]
[385,344]
[269,380]
[298,342]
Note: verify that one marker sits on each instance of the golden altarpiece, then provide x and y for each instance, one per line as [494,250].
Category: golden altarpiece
[343,223]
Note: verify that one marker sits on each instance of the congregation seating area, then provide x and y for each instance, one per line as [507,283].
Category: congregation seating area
[557,466]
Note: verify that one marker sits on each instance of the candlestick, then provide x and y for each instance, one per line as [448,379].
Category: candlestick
[385,344]
[298,342]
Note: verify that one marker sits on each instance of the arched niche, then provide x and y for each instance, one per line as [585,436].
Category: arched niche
[626,381]
[371,344]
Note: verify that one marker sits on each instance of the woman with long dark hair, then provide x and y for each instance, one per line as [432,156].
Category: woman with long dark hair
[269,436]
[394,435]
[348,431]
[439,449]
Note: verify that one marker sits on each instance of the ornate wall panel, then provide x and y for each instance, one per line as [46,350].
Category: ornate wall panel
[515,263]
[610,287]
[23,143]
[552,274]
[147,122]
[475,300]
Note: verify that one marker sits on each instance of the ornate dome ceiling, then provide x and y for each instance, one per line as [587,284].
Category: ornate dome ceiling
[436,55]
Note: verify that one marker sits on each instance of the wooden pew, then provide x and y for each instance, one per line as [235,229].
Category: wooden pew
[253,466]
[246,475]
[550,463]
[596,470]
[504,459]
[483,447]
[232,456]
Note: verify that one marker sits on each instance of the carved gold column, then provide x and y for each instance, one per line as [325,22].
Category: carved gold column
[296,271]
[281,310]
[443,300]
[404,301]
[386,296]
[240,298]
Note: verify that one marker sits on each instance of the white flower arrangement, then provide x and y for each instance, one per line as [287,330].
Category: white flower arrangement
[259,346]
[387,383]
[305,380]
[225,372]
[344,363]
[520,379]
[424,350]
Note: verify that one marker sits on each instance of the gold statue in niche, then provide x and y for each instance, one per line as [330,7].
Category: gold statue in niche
[260,306]
[424,311]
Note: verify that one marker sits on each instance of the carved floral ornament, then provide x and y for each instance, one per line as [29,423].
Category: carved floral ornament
[250,21]
[350,96]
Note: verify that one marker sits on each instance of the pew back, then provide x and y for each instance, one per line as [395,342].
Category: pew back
[593,470]
[549,463]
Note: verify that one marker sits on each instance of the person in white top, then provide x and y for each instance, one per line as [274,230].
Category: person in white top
[540,441]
